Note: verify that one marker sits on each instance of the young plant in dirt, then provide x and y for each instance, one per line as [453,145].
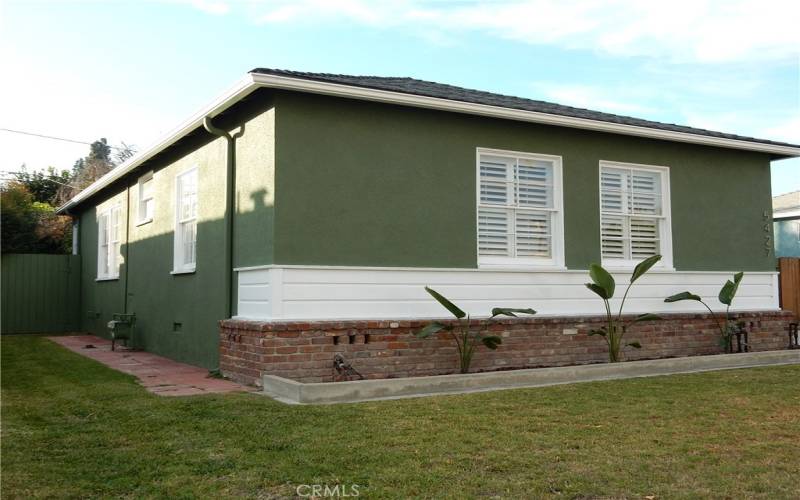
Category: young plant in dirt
[464,336]
[614,330]
[727,293]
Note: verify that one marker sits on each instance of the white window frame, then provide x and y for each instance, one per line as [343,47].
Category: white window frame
[141,211]
[556,260]
[109,253]
[665,220]
[179,266]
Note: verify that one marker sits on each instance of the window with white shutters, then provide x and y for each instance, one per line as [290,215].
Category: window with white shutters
[519,215]
[185,250]
[634,213]
[108,243]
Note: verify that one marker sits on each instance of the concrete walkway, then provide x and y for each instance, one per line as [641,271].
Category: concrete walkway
[159,375]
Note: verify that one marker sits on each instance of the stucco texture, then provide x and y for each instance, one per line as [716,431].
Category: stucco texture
[177,314]
[371,184]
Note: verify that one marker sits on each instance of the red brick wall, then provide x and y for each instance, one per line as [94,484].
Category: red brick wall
[304,351]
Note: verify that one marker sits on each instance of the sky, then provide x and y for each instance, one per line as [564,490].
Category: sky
[131,71]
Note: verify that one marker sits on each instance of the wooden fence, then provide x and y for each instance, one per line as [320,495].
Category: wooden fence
[789,269]
[40,293]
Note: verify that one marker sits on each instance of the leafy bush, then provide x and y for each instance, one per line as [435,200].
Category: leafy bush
[464,336]
[614,330]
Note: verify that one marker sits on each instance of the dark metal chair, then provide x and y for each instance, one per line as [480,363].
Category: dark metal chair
[122,327]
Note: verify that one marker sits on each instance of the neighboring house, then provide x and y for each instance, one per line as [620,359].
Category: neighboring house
[349,194]
[786,217]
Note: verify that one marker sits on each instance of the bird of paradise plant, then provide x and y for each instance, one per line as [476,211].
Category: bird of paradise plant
[464,336]
[615,328]
[726,295]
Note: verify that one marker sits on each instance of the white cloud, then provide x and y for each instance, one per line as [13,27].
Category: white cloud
[678,30]
[788,131]
[782,127]
[209,6]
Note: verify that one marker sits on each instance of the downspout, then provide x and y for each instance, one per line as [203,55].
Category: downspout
[230,185]
[127,242]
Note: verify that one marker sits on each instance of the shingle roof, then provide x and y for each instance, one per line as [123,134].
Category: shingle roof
[443,91]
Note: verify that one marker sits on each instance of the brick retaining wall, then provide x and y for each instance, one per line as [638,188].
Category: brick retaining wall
[304,351]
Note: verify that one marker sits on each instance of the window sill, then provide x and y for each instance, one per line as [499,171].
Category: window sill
[143,222]
[107,278]
[175,272]
[625,268]
[521,267]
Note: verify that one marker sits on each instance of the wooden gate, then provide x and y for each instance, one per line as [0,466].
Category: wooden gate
[789,269]
[40,293]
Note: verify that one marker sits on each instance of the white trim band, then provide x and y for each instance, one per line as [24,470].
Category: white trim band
[332,293]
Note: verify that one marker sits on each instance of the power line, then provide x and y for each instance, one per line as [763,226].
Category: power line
[34,134]
[7,176]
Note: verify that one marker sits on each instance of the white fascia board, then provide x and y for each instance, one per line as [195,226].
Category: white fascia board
[244,87]
[341,90]
[254,80]
[791,213]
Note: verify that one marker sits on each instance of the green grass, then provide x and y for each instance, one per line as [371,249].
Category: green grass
[73,428]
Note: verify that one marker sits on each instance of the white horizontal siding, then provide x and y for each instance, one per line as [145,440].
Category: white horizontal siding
[297,292]
[254,294]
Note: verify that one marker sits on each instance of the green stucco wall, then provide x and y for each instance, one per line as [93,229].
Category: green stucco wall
[369,184]
[177,315]
[327,181]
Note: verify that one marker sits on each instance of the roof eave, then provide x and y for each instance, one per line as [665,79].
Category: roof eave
[363,93]
[253,81]
[234,94]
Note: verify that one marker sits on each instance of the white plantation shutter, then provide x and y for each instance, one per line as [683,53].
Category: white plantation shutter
[516,207]
[493,227]
[533,234]
[632,214]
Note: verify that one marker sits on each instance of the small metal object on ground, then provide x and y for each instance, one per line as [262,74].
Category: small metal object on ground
[344,369]
[742,339]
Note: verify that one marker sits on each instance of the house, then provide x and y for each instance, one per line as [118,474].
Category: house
[786,225]
[312,197]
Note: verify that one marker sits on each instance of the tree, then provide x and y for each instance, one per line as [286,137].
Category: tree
[96,164]
[29,226]
[27,212]
[44,186]
[17,224]
[124,153]
[100,150]
[87,170]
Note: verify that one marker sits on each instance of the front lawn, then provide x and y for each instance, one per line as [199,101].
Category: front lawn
[72,427]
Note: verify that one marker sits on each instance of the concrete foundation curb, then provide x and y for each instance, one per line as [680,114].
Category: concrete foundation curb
[292,392]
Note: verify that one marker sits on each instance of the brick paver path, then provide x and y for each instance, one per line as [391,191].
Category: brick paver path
[159,375]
